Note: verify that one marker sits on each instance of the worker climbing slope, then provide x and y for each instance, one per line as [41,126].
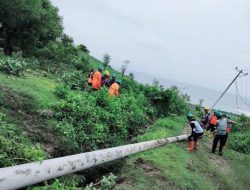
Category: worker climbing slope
[114,88]
[97,79]
[112,80]
[105,79]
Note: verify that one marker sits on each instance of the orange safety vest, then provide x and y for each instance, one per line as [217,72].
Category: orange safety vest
[213,120]
[97,80]
[114,89]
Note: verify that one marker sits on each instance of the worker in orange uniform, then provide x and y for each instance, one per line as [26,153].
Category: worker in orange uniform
[114,88]
[97,79]
[212,123]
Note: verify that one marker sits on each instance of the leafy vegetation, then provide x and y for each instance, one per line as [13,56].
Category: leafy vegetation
[14,65]
[28,25]
[239,138]
[44,90]
[74,80]
[59,184]
[95,120]
[15,147]
[107,183]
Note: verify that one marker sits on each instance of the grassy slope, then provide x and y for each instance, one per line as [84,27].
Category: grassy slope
[172,167]
[169,167]
[39,88]
[21,98]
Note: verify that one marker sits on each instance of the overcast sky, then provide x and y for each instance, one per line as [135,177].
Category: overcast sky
[196,41]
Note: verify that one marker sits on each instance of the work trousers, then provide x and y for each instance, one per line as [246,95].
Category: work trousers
[226,138]
[222,139]
[194,136]
[211,127]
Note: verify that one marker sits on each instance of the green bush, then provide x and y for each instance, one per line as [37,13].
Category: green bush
[240,142]
[59,184]
[165,101]
[15,148]
[107,183]
[82,64]
[62,91]
[75,80]
[95,120]
[14,65]
[239,137]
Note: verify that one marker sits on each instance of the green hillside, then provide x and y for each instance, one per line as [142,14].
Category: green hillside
[34,122]
[48,110]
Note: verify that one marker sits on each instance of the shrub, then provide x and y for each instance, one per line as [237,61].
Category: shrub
[239,137]
[75,80]
[82,64]
[14,65]
[240,142]
[96,120]
[61,91]
[59,184]
[107,183]
[15,148]
[165,101]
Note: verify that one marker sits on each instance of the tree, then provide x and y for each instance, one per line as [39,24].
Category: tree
[83,48]
[28,24]
[58,52]
[156,83]
[201,102]
[132,76]
[124,67]
[186,97]
[106,60]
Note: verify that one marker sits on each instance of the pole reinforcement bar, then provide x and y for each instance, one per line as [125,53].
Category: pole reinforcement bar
[29,174]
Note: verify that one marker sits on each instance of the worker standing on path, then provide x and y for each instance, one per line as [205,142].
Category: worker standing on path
[97,79]
[114,88]
[105,78]
[220,134]
[197,132]
[205,118]
[212,122]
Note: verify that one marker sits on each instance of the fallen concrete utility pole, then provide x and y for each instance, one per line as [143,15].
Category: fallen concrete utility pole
[28,174]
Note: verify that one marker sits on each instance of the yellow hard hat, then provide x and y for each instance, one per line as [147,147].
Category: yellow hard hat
[107,73]
[206,108]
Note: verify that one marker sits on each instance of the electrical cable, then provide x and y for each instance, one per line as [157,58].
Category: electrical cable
[242,99]
[236,96]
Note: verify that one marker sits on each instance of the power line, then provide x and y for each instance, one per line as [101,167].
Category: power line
[237,104]
[224,92]
[238,93]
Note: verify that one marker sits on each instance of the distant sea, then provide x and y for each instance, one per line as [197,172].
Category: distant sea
[227,103]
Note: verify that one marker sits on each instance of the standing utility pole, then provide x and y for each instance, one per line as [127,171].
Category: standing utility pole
[240,72]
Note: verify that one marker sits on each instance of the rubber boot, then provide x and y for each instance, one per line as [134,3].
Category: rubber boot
[196,145]
[190,146]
